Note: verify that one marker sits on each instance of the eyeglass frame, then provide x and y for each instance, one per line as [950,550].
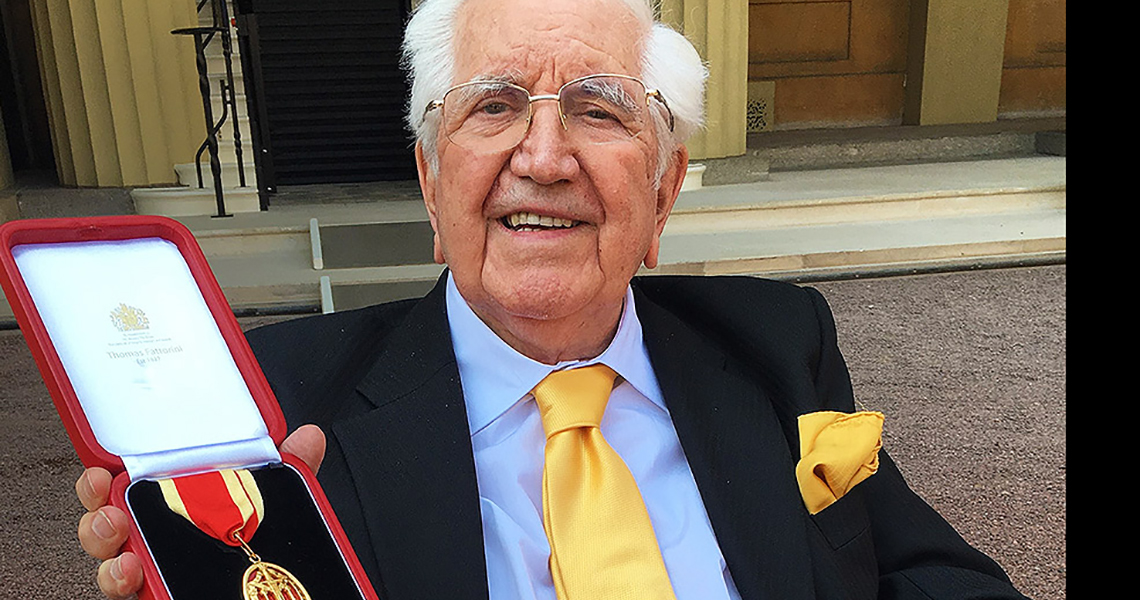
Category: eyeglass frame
[653,93]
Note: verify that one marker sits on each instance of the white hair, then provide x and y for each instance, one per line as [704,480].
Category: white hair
[669,63]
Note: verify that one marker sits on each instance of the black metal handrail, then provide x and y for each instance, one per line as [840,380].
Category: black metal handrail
[249,42]
[202,37]
[214,133]
[229,94]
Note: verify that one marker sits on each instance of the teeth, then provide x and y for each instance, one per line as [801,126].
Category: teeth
[526,218]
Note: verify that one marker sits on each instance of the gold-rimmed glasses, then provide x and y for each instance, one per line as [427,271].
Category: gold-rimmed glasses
[491,115]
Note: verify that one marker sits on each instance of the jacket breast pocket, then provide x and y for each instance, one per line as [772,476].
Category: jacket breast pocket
[843,550]
[844,520]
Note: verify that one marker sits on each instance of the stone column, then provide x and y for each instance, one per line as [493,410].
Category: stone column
[954,61]
[719,30]
[121,90]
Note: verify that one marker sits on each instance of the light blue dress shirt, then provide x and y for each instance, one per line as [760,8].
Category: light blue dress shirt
[508,442]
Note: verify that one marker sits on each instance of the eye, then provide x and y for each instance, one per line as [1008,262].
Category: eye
[600,114]
[493,108]
[498,105]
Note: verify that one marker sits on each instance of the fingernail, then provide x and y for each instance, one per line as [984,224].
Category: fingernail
[102,526]
[89,490]
[117,569]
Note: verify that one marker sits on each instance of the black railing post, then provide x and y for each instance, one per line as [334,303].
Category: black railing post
[249,45]
[229,94]
[201,38]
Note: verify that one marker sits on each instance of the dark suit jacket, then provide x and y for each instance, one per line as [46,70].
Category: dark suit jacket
[738,359]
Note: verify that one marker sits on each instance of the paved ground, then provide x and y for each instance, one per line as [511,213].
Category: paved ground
[969,367]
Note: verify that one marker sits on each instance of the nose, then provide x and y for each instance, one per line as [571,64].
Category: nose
[545,155]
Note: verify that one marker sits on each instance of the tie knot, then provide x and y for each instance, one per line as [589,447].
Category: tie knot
[574,398]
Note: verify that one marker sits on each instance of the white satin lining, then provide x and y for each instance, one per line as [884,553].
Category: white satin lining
[162,390]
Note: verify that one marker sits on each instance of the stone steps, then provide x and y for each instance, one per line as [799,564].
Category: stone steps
[795,225]
[807,252]
[188,172]
[876,193]
[188,199]
[801,226]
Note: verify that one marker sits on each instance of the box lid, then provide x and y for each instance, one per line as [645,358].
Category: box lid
[143,357]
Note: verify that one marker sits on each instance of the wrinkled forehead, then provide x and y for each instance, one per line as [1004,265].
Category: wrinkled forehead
[541,44]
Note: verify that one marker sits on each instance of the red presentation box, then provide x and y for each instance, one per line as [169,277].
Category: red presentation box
[153,379]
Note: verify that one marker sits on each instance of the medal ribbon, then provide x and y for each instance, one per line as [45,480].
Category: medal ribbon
[224,504]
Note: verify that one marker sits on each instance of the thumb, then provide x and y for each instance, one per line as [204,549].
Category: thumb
[308,444]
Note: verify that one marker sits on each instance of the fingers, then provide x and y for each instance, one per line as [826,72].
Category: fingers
[102,532]
[308,444]
[120,578]
[104,528]
[93,488]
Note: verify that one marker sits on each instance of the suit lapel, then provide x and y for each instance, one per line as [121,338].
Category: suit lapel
[411,461]
[739,456]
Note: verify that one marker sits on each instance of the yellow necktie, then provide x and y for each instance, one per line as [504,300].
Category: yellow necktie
[602,545]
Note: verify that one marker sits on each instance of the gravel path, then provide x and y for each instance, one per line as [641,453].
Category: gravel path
[969,368]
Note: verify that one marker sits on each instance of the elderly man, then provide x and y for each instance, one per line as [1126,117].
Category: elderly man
[550,148]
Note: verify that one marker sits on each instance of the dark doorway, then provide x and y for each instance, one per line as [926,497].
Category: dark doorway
[327,93]
[21,94]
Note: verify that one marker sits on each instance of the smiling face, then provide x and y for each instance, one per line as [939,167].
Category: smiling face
[551,291]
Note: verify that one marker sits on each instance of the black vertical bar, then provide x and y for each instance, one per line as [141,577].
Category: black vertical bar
[229,94]
[250,44]
[199,34]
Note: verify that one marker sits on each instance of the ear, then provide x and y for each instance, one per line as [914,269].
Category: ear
[427,189]
[667,194]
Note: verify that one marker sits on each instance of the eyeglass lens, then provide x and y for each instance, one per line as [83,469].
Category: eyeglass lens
[493,116]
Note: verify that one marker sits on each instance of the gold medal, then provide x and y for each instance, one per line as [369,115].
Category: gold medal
[267,581]
[227,506]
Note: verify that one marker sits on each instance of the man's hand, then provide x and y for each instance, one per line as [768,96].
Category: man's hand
[308,444]
[104,528]
[102,532]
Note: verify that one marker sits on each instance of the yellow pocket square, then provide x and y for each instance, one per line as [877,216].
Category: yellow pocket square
[837,451]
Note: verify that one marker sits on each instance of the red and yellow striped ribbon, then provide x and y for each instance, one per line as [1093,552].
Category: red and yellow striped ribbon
[220,503]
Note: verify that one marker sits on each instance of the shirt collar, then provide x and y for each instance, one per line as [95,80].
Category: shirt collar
[495,376]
